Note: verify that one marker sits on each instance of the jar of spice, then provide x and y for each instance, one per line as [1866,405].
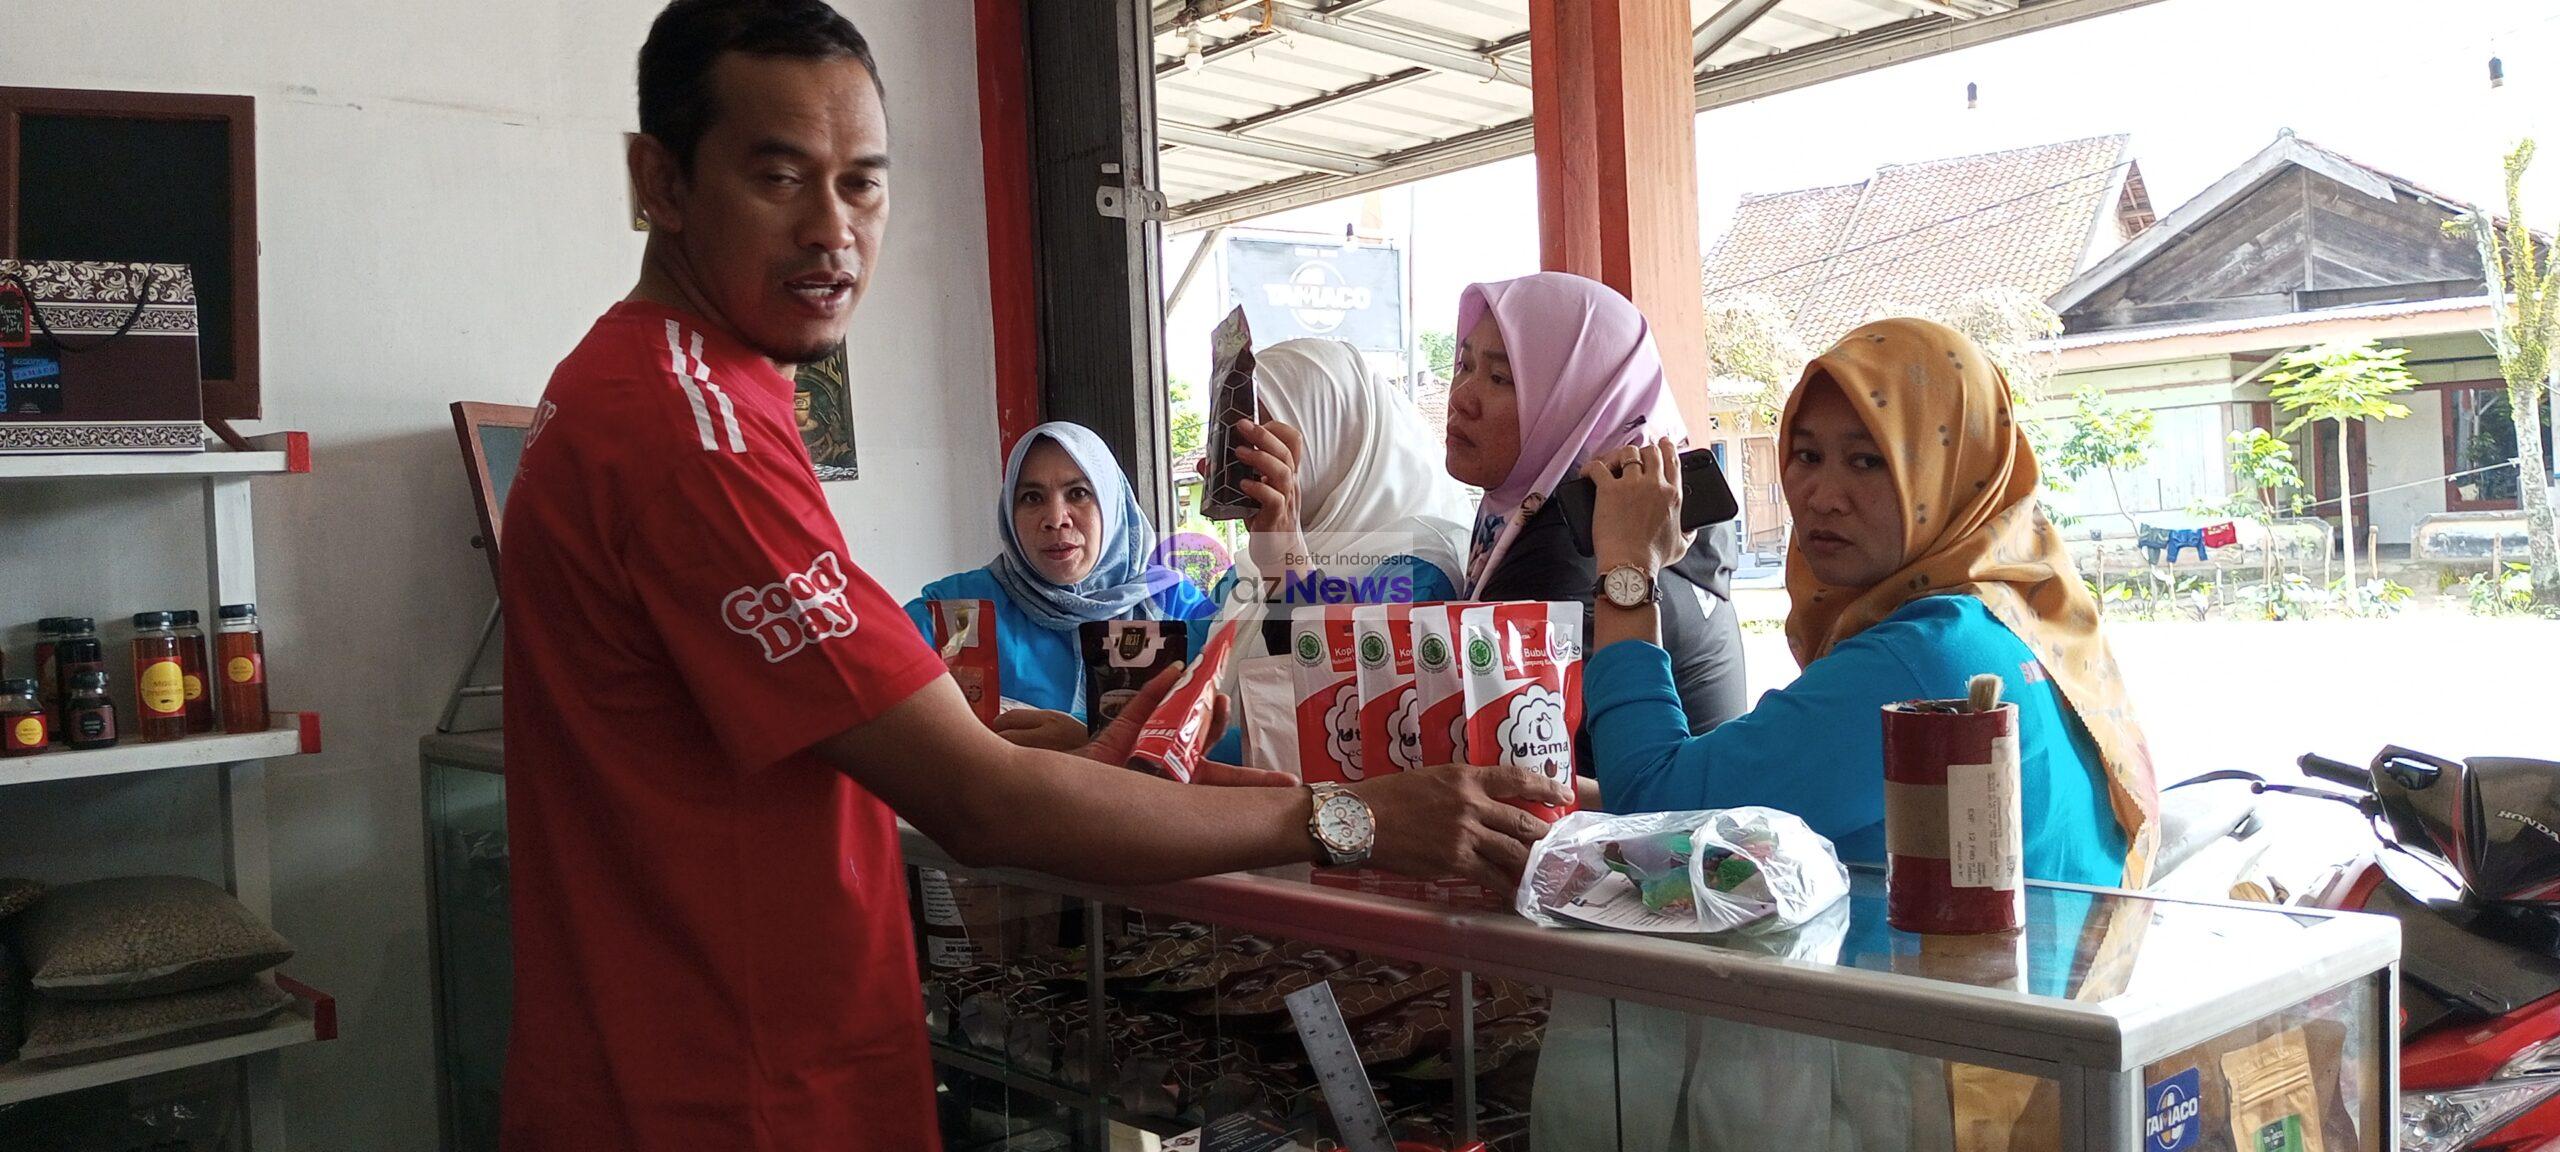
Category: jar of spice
[191,661]
[159,680]
[25,729]
[93,716]
[75,650]
[240,652]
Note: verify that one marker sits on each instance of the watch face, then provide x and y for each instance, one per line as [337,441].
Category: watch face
[1345,824]
[1628,587]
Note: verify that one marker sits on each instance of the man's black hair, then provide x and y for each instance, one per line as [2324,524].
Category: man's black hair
[689,37]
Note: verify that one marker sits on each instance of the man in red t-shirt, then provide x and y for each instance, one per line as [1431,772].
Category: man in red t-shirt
[708,702]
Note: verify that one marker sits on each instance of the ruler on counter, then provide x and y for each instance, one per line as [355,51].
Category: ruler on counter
[1330,1051]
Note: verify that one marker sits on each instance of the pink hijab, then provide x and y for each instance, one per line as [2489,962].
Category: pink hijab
[1589,380]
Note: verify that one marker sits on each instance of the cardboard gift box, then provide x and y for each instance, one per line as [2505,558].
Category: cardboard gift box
[98,357]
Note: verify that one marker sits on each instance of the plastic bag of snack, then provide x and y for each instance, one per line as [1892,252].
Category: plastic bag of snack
[1523,672]
[964,631]
[1439,684]
[1328,694]
[1176,736]
[1231,398]
[1120,656]
[1681,873]
[1390,712]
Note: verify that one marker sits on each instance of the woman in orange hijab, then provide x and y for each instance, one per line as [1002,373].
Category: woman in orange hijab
[1919,558]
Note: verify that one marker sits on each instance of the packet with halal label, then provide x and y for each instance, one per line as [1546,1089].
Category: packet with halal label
[1328,694]
[964,631]
[1390,715]
[1231,398]
[1523,671]
[1439,684]
[2275,1101]
[1120,656]
[1177,736]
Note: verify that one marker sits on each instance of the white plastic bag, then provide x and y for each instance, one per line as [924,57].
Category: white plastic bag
[1681,873]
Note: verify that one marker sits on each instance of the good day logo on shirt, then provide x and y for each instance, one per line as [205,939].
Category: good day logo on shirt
[794,612]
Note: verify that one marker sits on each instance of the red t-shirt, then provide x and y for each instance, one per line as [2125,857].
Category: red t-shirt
[711,936]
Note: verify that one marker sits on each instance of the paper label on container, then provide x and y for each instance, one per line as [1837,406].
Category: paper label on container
[1985,846]
[941,910]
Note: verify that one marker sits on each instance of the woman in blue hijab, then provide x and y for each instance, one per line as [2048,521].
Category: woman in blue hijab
[1077,548]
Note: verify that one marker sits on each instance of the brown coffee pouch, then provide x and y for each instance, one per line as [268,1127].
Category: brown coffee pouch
[1120,656]
[1231,398]
[2275,1102]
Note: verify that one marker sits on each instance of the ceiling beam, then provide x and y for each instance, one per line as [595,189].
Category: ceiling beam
[1729,22]
[1211,55]
[1328,100]
[1938,7]
[1318,159]
[1410,49]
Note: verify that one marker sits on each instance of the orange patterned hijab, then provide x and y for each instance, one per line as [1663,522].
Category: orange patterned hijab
[1942,415]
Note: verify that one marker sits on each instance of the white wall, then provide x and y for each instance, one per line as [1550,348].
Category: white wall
[2400,451]
[442,215]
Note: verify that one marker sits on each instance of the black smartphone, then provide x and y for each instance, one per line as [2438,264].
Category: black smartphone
[1705,498]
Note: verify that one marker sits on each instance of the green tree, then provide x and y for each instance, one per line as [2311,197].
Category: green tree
[1750,341]
[2524,296]
[2097,438]
[1190,420]
[2344,382]
[1440,353]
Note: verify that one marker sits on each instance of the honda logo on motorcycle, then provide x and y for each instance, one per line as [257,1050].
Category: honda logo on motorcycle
[2172,1122]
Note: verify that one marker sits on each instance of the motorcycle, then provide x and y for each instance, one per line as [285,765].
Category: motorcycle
[2467,858]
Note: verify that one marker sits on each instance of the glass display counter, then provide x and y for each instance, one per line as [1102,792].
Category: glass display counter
[1072,1013]
[1075,1016]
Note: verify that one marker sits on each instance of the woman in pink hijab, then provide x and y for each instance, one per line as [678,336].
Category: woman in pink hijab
[1553,370]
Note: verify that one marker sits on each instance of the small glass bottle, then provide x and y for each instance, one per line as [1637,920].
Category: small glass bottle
[93,716]
[159,679]
[191,662]
[25,728]
[240,650]
[75,650]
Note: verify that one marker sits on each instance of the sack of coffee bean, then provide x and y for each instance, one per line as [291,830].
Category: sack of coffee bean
[1176,737]
[1231,398]
[1328,692]
[964,631]
[1524,689]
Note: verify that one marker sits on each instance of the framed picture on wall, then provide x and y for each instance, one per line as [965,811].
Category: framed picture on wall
[822,396]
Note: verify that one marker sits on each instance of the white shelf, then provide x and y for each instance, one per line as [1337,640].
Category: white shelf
[276,454]
[290,734]
[310,1018]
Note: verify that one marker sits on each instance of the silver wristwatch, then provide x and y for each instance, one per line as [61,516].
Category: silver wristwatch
[1342,825]
[1627,586]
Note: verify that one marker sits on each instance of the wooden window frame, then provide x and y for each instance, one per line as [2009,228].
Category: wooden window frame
[232,398]
[2453,501]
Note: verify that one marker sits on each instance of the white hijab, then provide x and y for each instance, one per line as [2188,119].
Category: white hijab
[1372,480]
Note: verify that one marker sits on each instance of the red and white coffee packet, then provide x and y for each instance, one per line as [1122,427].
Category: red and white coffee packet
[964,631]
[1176,735]
[1439,684]
[1524,689]
[1390,716]
[1328,690]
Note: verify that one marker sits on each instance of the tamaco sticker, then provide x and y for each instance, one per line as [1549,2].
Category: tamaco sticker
[2173,1115]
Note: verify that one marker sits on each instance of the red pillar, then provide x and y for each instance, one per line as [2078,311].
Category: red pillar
[1617,167]
[1013,256]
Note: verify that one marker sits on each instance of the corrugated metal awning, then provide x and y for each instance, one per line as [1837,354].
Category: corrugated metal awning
[1263,105]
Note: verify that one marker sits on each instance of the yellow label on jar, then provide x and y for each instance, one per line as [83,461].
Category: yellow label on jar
[30,732]
[241,669]
[195,689]
[162,688]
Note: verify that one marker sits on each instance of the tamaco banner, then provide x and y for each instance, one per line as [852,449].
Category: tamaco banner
[1295,288]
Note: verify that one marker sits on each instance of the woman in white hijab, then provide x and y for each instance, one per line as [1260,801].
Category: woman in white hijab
[1370,496]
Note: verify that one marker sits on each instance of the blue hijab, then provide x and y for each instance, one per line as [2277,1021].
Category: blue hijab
[1125,577]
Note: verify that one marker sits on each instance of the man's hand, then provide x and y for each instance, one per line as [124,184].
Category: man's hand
[1451,821]
[1042,728]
